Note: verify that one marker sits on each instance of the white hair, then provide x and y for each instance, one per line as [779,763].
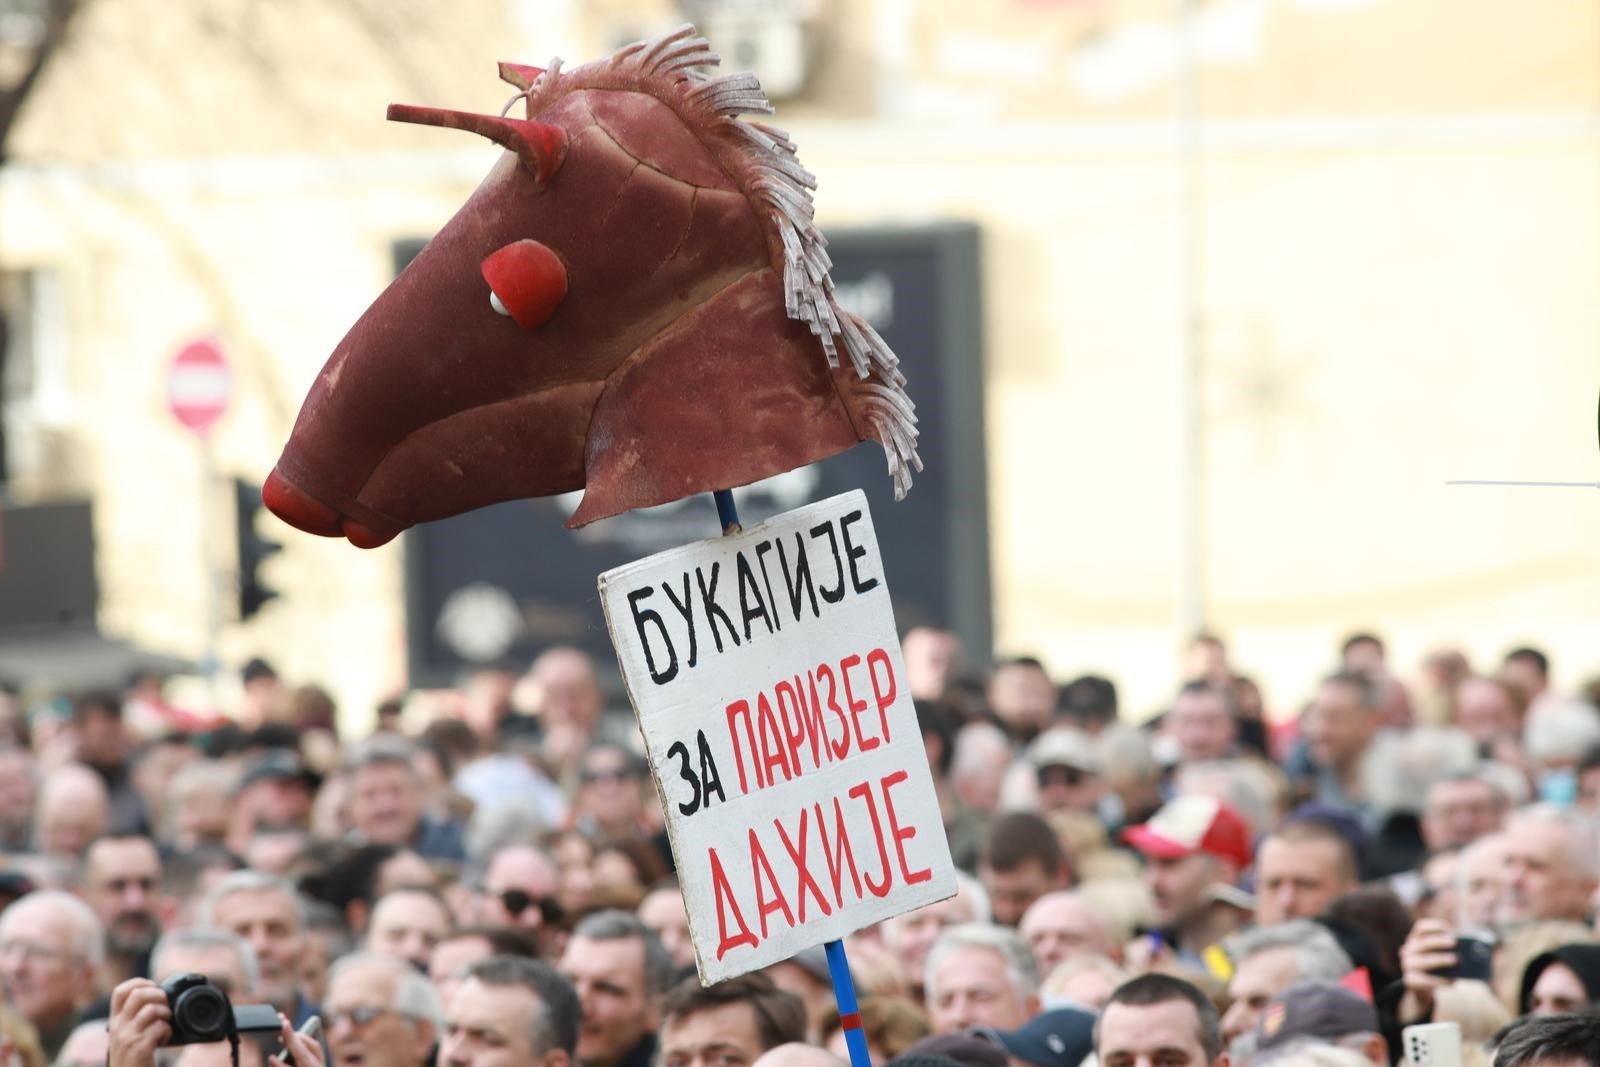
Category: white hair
[969,887]
[201,776]
[980,748]
[1582,837]
[71,782]
[1316,953]
[1126,752]
[414,996]
[248,882]
[1562,732]
[1400,767]
[1242,784]
[1022,970]
[1345,1051]
[379,751]
[498,825]
[1511,781]
[208,937]
[88,936]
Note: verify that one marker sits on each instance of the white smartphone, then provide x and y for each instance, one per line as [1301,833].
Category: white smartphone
[311,1028]
[1433,1044]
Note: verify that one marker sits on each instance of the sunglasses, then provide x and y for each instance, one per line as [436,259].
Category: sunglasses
[1071,777]
[517,901]
[592,777]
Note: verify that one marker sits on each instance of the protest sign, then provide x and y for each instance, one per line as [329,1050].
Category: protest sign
[779,726]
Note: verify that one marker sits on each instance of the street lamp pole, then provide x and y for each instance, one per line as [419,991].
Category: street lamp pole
[1191,568]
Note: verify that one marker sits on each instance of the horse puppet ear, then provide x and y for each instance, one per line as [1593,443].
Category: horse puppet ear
[541,146]
[731,393]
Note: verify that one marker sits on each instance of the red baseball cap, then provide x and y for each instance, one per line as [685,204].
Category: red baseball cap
[1190,824]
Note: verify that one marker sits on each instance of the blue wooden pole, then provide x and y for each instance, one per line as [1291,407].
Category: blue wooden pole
[727,514]
[844,989]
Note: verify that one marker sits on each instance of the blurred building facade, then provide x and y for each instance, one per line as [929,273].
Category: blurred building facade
[1362,235]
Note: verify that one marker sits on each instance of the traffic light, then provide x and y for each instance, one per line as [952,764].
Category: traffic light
[253,549]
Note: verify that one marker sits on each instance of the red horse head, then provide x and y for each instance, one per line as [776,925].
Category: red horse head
[635,303]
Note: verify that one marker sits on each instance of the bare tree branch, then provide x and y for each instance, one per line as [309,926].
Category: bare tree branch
[57,16]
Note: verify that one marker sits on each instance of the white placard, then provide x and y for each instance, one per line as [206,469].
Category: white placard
[767,678]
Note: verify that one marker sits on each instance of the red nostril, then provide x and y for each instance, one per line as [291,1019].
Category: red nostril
[362,537]
[297,509]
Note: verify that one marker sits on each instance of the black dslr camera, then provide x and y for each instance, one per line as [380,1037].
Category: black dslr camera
[202,1013]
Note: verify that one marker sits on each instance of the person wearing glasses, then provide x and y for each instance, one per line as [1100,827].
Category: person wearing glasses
[1067,770]
[379,1012]
[517,882]
[51,951]
[610,803]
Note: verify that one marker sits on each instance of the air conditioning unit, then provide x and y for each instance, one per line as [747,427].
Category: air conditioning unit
[772,45]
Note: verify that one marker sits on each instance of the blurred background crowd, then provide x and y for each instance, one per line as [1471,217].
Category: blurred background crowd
[1201,302]
[1402,850]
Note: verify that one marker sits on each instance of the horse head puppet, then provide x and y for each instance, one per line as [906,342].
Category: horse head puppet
[635,302]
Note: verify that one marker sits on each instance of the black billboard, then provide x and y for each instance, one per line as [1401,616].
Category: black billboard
[47,578]
[498,585]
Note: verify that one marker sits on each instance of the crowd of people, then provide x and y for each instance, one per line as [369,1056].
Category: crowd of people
[483,879]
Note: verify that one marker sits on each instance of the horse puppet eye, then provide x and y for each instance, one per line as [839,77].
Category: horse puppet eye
[527,281]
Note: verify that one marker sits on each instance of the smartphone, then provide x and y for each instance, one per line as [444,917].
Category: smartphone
[1474,958]
[1433,1044]
[311,1028]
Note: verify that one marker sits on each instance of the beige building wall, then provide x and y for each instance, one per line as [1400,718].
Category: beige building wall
[1397,258]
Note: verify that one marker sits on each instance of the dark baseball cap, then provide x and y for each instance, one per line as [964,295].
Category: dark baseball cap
[1314,1008]
[965,1050]
[1060,1037]
[279,765]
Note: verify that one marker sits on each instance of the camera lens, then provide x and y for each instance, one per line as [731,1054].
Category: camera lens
[202,1012]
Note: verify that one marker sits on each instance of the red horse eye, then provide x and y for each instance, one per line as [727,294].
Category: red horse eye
[526,281]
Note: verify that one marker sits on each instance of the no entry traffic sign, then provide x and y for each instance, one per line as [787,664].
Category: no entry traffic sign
[198,385]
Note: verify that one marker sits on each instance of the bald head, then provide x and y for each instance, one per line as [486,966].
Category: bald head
[517,869]
[87,1046]
[73,809]
[794,1054]
[565,688]
[1063,924]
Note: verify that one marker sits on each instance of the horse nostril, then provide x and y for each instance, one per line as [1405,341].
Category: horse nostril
[297,509]
[362,537]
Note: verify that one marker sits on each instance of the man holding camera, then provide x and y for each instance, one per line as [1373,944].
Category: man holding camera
[142,1021]
[265,910]
[225,958]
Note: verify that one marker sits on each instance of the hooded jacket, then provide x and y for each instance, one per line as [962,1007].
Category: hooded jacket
[1584,960]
